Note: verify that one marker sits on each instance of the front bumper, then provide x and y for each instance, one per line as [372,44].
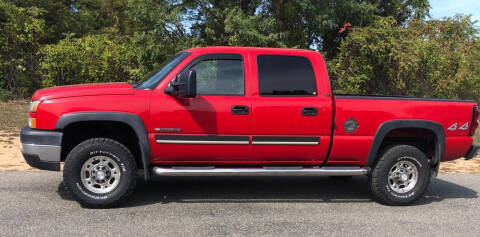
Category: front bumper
[41,148]
[472,152]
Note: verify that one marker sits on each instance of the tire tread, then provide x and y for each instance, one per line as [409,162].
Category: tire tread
[376,181]
[68,172]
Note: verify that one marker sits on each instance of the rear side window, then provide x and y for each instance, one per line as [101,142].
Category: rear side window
[285,75]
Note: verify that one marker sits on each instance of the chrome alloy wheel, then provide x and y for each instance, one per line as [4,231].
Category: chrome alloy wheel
[100,174]
[403,176]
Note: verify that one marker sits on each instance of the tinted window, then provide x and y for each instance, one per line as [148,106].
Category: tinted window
[220,77]
[283,75]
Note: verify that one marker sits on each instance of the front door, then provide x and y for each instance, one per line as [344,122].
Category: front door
[214,126]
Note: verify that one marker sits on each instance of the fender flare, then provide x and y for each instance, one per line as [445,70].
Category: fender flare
[388,126]
[134,121]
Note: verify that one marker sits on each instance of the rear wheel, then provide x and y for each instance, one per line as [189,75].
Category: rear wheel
[100,172]
[401,176]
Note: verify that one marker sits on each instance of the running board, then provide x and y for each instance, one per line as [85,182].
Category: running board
[265,171]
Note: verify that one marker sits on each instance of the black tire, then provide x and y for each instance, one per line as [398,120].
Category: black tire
[379,182]
[107,148]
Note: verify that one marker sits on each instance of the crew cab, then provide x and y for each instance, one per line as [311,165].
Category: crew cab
[223,111]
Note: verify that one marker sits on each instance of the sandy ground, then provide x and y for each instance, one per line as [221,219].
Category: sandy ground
[11,157]
[10,152]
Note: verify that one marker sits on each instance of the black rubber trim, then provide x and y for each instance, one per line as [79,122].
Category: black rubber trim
[132,120]
[284,139]
[472,152]
[388,97]
[201,138]
[332,131]
[212,56]
[40,137]
[34,161]
[386,127]
[470,131]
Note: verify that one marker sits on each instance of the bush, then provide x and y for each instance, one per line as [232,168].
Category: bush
[424,59]
[93,58]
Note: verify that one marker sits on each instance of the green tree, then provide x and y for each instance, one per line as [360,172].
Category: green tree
[51,42]
[111,52]
[292,23]
[21,32]
[161,33]
[437,58]
[58,16]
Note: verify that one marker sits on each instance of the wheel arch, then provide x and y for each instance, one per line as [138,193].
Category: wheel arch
[385,128]
[132,120]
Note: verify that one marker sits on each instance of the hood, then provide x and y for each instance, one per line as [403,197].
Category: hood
[120,88]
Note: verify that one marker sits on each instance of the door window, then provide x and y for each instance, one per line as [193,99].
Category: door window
[285,75]
[220,77]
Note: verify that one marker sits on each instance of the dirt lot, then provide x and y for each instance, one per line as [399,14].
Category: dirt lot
[13,117]
[10,154]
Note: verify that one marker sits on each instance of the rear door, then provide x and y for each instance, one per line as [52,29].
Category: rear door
[291,116]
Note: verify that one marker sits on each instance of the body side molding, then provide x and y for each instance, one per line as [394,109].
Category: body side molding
[202,139]
[284,140]
[132,120]
[388,126]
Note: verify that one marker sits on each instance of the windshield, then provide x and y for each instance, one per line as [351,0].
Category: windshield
[152,79]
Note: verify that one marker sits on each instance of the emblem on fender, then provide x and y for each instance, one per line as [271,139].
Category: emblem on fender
[454,126]
[168,129]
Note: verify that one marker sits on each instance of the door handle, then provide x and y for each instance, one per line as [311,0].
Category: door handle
[239,110]
[309,111]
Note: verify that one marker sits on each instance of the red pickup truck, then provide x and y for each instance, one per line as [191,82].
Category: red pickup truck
[222,111]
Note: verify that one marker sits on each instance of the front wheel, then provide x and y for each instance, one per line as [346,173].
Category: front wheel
[100,173]
[401,176]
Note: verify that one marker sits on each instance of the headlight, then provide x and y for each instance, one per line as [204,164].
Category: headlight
[33,106]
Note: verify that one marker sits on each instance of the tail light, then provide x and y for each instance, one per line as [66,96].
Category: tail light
[474,123]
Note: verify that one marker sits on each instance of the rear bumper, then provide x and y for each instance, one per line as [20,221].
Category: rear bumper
[472,152]
[41,149]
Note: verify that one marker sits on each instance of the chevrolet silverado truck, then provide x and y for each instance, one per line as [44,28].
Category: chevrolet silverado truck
[223,111]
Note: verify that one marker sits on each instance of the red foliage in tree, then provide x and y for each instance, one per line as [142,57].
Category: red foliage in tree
[346,27]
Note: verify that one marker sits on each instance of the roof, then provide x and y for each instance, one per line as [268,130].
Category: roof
[236,48]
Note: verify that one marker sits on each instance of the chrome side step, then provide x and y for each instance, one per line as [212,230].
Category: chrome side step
[265,171]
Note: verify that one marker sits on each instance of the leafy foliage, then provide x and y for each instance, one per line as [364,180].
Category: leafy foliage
[86,60]
[372,46]
[426,59]
[22,30]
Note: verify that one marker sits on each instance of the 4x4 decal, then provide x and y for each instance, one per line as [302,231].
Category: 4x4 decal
[454,126]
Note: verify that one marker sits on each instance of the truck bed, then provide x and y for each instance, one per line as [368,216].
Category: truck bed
[370,112]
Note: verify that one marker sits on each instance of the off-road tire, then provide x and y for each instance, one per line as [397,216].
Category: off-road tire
[379,181]
[104,147]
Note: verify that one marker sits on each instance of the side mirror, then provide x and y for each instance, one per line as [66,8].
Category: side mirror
[184,86]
